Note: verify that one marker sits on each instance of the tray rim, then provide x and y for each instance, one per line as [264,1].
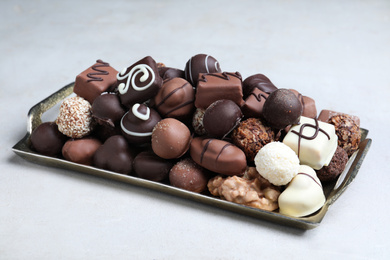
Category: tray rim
[22,149]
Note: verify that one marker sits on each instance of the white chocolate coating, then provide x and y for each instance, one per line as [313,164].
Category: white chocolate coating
[303,196]
[140,68]
[139,115]
[316,152]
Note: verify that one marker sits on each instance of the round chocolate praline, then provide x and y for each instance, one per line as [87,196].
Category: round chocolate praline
[221,117]
[200,63]
[107,109]
[138,123]
[81,150]
[281,109]
[335,167]
[47,140]
[148,165]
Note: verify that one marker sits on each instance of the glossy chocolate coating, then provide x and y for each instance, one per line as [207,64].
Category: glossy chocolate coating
[258,81]
[169,73]
[254,103]
[216,86]
[282,108]
[107,109]
[171,138]
[221,117]
[148,165]
[218,156]
[95,80]
[188,175]
[308,105]
[175,99]
[114,155]
[81,150]
[139,82]
[47,140]
[138,123]
[200,63]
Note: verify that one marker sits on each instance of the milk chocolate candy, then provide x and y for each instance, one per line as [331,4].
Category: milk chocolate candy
[139,82]
[148,165]
[313,141]
[138,123]
[215,86]
[200,63]
[114,155]
[175,99]
[326,114]
[260,82]
[254,103]
[169,73]
[308,105]
[218,156]
[304,194]
[95,80]
[81,150]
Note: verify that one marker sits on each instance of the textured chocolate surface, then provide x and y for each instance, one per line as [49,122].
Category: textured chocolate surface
[81,150]
[218,156]
[221,117]
[200,63]
[148,165]
[47,140]
[175,99]
[114,155]
[107,109]
[258,81]
[326,114]
[138,123]
[95,80]
[282,108]
[188,175]
[335,167]
[216,86]
[139,82]
[171,138]
[251,135]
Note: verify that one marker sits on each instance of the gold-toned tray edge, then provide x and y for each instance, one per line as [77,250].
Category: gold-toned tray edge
[22,149]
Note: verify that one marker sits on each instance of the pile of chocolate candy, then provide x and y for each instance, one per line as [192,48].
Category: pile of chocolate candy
[205,131]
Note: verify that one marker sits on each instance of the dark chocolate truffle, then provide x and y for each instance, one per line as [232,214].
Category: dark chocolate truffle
[107,110]
[139,82]
[188,175]
[335,167]
[138,123]
[175,99]
[251,135]
[169,73]
[221,117]
[197,121]
[114,155]
[81,150]
[148,165]
[171,138]
[282,108]
[200,63]
[47,140]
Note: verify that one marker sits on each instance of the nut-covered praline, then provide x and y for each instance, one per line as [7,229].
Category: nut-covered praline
[171,138]
[221,117]
[282,108]
[335,167]
[138,123]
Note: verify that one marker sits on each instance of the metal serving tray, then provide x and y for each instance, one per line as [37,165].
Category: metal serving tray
[332,190]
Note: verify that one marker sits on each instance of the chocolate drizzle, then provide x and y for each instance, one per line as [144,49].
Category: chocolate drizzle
[258,96]
[300,133]
[206,147]
[99,72]
[223,148]
[311,178]
[223,75]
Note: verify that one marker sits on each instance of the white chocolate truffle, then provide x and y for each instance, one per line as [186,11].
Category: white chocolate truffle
[313,141]
[277,163]
[303,196]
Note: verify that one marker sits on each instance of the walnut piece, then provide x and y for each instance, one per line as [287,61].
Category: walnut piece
[250,190]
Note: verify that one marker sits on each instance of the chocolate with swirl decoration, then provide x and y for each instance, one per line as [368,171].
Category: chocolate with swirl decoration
[216,86]
[95,80]
[139,82]
[313,141]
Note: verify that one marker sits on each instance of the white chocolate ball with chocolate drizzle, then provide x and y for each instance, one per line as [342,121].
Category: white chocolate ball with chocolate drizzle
[138,123]
[303,196]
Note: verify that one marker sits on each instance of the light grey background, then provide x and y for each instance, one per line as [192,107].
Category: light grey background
[336,52]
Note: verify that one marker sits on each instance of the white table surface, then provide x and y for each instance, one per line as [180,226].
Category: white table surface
[336,52]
